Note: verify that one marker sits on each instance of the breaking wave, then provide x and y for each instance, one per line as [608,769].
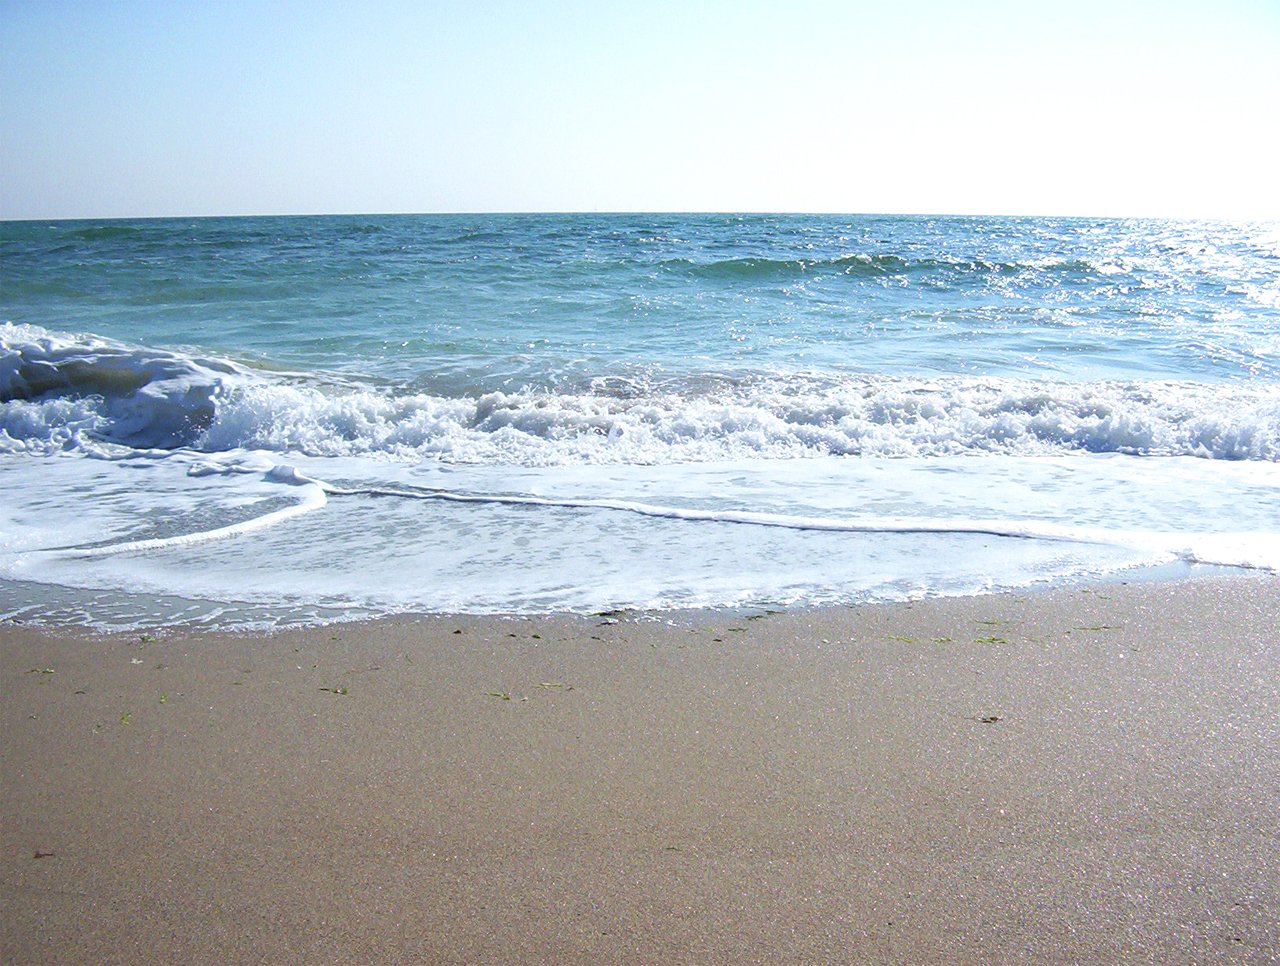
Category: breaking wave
[60,392]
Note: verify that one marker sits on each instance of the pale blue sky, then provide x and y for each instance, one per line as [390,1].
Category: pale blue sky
[132,107]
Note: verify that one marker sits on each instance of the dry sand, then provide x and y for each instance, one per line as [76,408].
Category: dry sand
[1088,774]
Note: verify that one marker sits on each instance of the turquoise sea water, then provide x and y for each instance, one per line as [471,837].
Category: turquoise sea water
[266,420]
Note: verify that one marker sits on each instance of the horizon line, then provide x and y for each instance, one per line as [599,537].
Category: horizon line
[644,211]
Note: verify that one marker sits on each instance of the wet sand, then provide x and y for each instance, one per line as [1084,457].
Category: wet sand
[1086,774]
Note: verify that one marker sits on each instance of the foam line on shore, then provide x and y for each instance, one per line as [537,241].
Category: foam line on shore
[1231,550]
[1014,529]
[313,498]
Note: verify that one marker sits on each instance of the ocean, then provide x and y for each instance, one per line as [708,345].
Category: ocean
[258,422]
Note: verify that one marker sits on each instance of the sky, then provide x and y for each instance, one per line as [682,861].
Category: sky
[131,108]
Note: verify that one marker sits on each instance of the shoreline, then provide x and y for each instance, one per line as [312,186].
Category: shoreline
[1171,572]
[1089,772]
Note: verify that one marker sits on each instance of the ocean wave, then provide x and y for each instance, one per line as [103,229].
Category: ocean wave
[775,419]
[889,264]
[62,392]
[60,388]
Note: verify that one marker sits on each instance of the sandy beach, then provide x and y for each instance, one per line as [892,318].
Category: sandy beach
[1085,774]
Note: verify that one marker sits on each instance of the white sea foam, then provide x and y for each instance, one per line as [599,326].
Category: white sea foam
[1258,550]
[60,390]
[63,392]
[775,418]
[242,537]
[312,498]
